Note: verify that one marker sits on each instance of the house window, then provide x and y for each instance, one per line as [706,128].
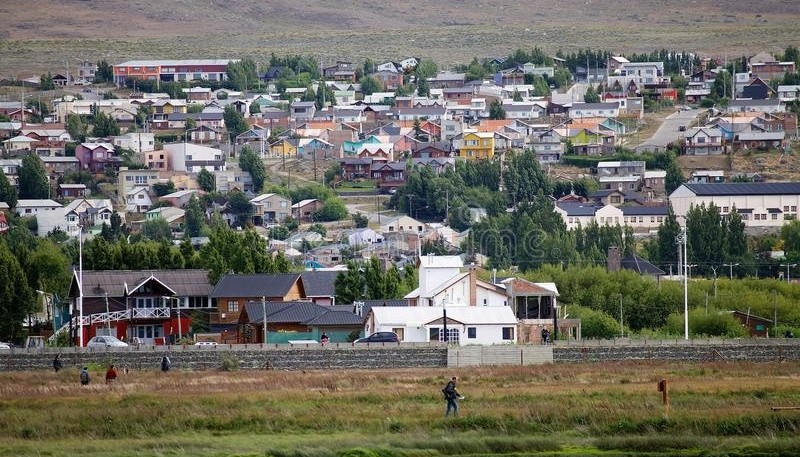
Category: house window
[724,209]
[472,333]
[786,209]
[233,306]
[774,216]
[660,219]
[641,219]
[508,333]
[794,209]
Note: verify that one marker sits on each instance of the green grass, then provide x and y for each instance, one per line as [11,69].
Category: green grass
[716,409]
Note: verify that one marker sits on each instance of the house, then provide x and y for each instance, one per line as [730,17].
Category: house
[233,292]
[192,158]
[621,168]
[536,308]
[757,106]
[759,204]
[20,143]
[154,306]
[477,145]
[175,217]
[757,90]
[390,80]
[355,168]
[178,199]
[788,93]
[341,71]
[432,113]
[703,141]
[137,200]
[402,224]
[296,321]
[769,68]
[442,283]
[32,208]
[97,157]
[447,79]
[3,222]
[172,70]
[302,111]
[304,210]
[647,72]
[608,109]
[757,327]
[463,325]
[389,176]
[269,208]
[707,176]
[127,180]
[654,182]
[510,77]
[90,213]
[762,141]
[135,141]
[72,190]
[363,237]
[198,94]
[320,286]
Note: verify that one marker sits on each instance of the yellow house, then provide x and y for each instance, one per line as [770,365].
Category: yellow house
[284,147]
[477,145]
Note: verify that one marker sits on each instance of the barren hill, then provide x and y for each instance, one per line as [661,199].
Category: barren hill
[41,34]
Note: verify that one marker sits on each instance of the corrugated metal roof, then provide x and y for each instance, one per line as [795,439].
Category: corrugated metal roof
[745,188]
[185,283]
[577,209]
[259,285]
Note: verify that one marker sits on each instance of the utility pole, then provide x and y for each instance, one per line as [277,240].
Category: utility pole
[714,269]
[621,326]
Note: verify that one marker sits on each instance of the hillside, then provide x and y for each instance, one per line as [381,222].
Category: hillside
[40,34]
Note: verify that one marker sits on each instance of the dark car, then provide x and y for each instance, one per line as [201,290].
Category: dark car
[380,337]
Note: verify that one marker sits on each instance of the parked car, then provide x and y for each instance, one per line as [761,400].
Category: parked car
[4,346]
[380,337]
[106,342]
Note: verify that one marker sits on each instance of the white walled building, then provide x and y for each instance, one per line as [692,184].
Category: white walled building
[759,204]
[442,283]
[192,158]
[465,324]
[137,142]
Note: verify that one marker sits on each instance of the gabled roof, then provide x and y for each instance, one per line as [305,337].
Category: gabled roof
[644,210]
[256,285]
[185,283]
[641,266]
[577,209]
[319,283]
[419,316]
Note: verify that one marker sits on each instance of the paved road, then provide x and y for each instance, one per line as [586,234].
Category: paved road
[669,130]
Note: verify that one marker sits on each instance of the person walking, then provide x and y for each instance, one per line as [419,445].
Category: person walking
[452,396]
[85,378]
[111,374]
[324,339]
[57,363]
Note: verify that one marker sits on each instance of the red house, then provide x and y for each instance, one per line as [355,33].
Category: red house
[97,157]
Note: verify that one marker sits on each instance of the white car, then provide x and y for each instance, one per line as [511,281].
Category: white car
[5,346]
[106,342]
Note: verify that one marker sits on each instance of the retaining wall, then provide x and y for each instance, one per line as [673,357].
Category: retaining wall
[247,357]
[405,355]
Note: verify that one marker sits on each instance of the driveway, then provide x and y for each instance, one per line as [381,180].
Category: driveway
[669,130]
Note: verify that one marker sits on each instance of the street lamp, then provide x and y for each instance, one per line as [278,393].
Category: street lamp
[788,265]
[264,311]
[731,265]
[683,238]
[80,285]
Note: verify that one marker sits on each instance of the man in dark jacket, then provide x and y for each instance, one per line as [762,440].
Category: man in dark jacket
[452,396]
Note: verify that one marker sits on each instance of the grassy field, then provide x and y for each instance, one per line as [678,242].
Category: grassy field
[611,409]
[40,35]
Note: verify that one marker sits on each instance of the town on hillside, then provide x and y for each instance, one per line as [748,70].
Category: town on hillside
[210,201]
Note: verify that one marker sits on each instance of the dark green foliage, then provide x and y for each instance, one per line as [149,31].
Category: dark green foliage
[368,280]
[206,180]
[251,162]
[46,82]
[369,85]
[104,126]
[8,193]
[524,178]
[16,296]
[496,110]
[242,74]
[104,72]
[591,95]
[195,218]
[163,188]
[234,122]
[33,179]
[240,205]
[360,220]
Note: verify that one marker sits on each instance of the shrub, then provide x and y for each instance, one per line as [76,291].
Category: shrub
[229,363]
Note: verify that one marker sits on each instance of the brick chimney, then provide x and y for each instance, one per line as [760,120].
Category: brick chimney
[614,259]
